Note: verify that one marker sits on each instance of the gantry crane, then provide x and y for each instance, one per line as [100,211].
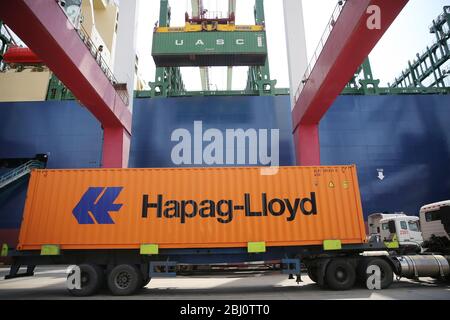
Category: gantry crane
[209,39]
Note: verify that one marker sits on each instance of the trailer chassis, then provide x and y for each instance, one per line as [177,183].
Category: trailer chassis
[334,269]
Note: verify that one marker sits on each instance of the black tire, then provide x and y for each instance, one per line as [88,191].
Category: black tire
[145,275]
[124,280]
[92,279]
[361,272]
[447,279]
[312,274]
[340,275]
[387,274]
[145,281]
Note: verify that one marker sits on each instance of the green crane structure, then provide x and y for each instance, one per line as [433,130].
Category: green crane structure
[168,80]
[259,76]
[427,74]
[427,70]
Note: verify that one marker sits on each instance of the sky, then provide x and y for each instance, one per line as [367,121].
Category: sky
[408,35]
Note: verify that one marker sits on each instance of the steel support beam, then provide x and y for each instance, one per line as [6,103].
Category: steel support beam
[44,27]
[296,44]
[197,8]
[260,18]
[231,10]
[204,78]
[350,42]
[230,78]
[125,58]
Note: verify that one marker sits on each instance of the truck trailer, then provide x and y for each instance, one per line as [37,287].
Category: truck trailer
[123,227]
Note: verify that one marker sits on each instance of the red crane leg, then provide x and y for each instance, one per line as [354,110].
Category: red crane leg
[44,27]
[116,147]
[349,43]
[306,138]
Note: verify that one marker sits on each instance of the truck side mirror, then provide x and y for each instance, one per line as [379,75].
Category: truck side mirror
[391,225]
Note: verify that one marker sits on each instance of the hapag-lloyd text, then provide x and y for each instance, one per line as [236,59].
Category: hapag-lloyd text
[224,210]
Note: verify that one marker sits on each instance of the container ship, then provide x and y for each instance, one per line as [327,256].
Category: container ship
[397,136]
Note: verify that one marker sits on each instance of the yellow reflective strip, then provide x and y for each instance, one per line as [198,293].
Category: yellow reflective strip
[147,249]
[332,245]
[50,250]
[256,247]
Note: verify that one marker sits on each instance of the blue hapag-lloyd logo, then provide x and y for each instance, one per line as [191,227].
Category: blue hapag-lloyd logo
[96,204]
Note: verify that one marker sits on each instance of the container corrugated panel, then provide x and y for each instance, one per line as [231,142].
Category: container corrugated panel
[209,48]
[191,208]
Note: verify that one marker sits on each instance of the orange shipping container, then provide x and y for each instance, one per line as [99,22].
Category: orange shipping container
[191,208]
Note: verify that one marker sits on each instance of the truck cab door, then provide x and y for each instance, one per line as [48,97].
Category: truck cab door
[415,235]
[403,234]
[385,233]
[388,231]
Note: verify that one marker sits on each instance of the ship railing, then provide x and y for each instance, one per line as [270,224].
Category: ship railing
[4,30]
[19,172]
[323,40]
[6,39]
[97,55]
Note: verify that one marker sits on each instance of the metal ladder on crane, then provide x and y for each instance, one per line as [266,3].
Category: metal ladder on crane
[19,172]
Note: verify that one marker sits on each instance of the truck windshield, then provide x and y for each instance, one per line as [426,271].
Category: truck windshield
[413,226]
[403,225]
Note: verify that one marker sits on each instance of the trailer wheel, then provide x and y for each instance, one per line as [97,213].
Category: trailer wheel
[92,279]
[312,274]
[145,275]
[340,275]
[124,280]
[387,274]
[145,281]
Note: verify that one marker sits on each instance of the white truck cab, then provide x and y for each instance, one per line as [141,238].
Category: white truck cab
[374,219]
[388,227]
[435,220]
[406,229]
